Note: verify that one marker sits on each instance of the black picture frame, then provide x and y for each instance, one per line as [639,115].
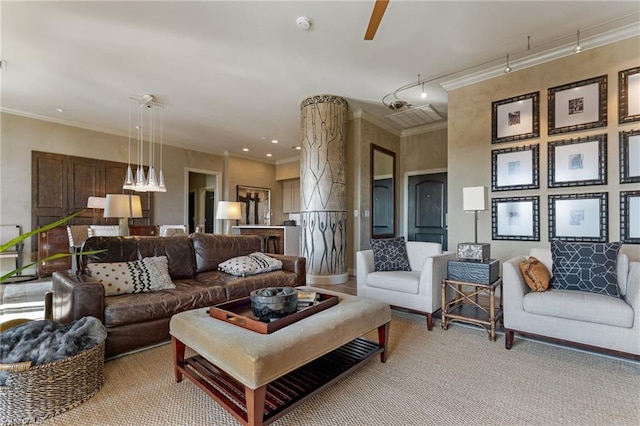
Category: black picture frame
[510,216]
[630,217]
[628,81]
[507,171]
[629,156]
[586,213]
[518,114]
[578,106]
[570,164]
[255,205]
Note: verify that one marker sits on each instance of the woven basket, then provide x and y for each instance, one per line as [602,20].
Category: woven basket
[45,390]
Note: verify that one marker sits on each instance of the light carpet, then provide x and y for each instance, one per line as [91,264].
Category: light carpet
[453,377]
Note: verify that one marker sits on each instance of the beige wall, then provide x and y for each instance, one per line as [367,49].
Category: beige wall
[424,151]
[469,141]
[21,135]
[288,170]
[252,173]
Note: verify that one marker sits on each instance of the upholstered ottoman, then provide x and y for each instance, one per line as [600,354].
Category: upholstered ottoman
[259,377]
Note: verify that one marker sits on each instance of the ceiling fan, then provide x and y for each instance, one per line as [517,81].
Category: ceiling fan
[376,16]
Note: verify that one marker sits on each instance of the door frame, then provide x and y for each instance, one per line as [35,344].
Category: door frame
[405,197]
[217,229]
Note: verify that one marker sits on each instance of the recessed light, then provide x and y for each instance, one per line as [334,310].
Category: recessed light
[59,110]
[269,155]
[297,147]
[245,149]
[274,141]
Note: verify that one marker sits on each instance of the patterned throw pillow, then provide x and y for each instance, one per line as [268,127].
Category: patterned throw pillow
[390,254]
[255,263]
[585,267]
[139,276]
[535,274]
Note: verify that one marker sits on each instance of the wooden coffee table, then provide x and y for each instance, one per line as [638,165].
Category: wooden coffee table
[260,377]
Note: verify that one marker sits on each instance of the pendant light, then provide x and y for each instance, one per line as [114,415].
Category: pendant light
[508,67]
[578,48]
[148,183]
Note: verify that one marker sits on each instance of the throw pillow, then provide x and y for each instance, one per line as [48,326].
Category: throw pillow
[390,254]
[585,267]
[535,274]
[139,276]
[255,263]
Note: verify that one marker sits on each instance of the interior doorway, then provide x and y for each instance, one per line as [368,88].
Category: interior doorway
[427,208]
[203,189]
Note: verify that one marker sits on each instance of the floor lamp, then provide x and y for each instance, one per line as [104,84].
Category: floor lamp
[474,199]
[229,210]
[123,207]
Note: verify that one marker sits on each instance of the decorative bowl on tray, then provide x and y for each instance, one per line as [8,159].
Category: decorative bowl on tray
[274,302]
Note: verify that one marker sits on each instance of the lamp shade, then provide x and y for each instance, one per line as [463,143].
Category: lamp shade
[229,210]
[122,205]
[96,202]
[474,198]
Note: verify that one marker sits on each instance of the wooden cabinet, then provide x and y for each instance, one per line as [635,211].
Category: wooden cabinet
[291,196]
[60,186]
[52,242]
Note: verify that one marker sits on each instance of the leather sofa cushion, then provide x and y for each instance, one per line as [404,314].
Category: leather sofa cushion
[237,287]
[580,306]
[178,251]
[213,249]
[143,307]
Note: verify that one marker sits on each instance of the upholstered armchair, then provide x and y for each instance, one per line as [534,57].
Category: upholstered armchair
[417,290]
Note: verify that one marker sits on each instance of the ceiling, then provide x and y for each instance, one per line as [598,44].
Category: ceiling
[232,75]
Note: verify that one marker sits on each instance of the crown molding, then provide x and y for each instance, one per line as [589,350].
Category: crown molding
[359,113]
[622,33]
[288,160]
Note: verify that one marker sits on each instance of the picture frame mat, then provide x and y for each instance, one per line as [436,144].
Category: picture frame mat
[577,162]
[524,109]
[577,218]
[566,115]
[515,168]
[515,218]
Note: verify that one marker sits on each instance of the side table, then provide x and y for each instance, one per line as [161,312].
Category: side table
[476,312]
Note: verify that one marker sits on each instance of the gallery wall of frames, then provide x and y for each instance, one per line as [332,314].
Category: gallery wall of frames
[576,161]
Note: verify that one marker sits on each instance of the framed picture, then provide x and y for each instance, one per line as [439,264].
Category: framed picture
[256,205]
[629,95]
[579,217]
[578,162]
[578,106]
[515,168]
[515,218]
[516,118]
[630,217]
[630,156]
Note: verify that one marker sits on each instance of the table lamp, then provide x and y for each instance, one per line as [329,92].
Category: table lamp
[96,203]
[123,207]
[229,210]
[474,199]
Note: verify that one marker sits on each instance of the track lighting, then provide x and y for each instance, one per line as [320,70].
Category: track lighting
[578,48]
[423,95]
[508,68]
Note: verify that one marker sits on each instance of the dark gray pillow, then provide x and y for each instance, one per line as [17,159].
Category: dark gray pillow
[585,267]
[390,254]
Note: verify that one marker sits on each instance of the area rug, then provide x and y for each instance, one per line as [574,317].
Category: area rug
[454,377]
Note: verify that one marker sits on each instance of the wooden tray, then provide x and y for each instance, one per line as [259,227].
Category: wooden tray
[238,312]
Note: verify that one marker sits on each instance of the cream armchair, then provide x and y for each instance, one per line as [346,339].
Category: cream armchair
[417,290]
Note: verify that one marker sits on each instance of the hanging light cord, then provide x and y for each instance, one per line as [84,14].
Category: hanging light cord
[469,68]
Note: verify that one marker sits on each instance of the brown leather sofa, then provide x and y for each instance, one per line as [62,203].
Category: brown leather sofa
[142,319]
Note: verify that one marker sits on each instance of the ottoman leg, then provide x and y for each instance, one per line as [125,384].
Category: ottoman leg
[178,357]
[383,340]
[255,405]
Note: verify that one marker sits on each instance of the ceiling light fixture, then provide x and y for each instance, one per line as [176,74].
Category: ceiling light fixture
[245,149]
[274,141]
[423,95]
[303,23]
[150,183]
[578,48]
[396,104]
[508,67]
[269,155]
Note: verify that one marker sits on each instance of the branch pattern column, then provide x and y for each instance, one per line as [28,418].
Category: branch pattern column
[323,179]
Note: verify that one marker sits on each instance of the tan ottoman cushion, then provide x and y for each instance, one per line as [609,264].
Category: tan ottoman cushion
[256,359]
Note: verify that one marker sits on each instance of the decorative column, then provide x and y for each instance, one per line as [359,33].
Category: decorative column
[323,192]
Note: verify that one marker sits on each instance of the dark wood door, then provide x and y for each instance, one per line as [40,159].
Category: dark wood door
[427,208]
[192,212]
[209,203]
